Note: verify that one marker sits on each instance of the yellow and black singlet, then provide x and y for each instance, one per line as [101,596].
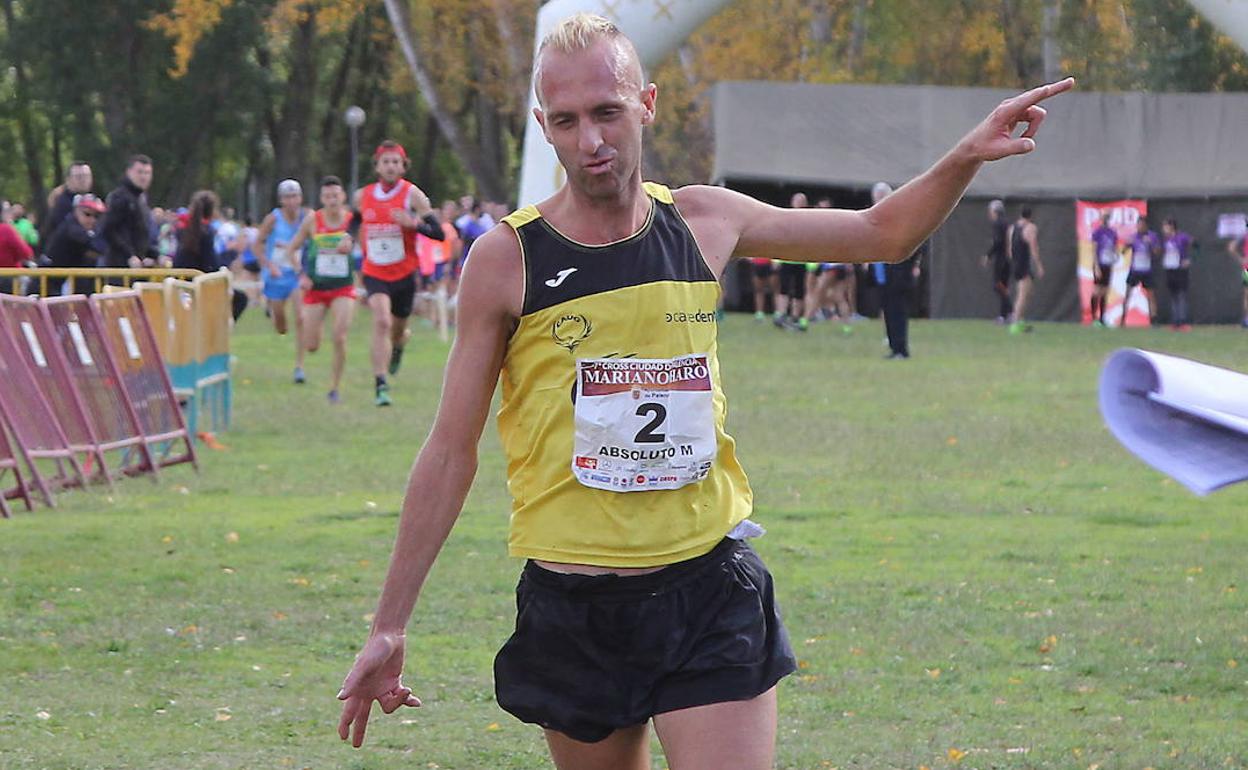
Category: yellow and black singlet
[612,413]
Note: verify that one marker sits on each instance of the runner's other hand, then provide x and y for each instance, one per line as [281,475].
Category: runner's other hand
[376,676]
[994,138]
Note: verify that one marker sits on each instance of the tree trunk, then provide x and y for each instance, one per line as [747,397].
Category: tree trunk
[290,142]
[1052,50]
[857,38]
[489,182]
[30,145]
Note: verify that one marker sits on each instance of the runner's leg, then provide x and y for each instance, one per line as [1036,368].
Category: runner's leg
[383,322]
[624,749]
[344,310]
[313,323]
[296,300]
[277,308]
[736,734]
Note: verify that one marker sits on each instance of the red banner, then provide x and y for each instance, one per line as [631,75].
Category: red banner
[1122,218]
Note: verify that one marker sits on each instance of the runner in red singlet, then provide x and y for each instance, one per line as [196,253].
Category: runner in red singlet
[392,211]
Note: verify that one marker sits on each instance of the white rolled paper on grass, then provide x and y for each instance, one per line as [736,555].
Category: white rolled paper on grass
[1186,419]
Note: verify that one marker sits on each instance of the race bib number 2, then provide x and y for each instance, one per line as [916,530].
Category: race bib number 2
[643,424]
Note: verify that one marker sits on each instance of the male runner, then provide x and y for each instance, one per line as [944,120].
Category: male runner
[328,275]
[1105,246]
[279,268]
[1176,259]
[1144,246]
[1023,246]
[392,211]
[997,259]
[641,599]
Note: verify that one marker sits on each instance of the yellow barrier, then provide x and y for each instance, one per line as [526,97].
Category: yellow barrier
[101,275]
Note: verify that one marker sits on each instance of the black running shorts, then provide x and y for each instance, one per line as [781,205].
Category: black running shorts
[1140,278]
[401,292]
[593,654]
[1177,279]
[1101,274]
[793,279]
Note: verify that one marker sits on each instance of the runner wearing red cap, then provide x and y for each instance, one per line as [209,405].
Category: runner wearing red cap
[391,211]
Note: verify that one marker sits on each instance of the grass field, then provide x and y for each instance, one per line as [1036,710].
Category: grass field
[973,572]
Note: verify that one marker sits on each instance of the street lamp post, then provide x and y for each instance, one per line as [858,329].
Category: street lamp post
[354,116]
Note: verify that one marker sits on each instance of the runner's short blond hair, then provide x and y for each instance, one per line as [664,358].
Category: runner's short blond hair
[578,32]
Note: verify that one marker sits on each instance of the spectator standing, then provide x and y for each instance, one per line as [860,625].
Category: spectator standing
[1239,251]
[1105,244]
[999,261]
[75,243]
[125,226]
[78,181]
[788,311]
[20,219]
[897,284]
[1023,245]
[14,252]
[1176,259]
[1144,247]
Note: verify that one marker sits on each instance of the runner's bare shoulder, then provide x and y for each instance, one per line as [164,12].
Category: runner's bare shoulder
[494,268]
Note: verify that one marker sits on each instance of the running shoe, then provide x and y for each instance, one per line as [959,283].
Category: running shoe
[1098,324]
[299,377]
[333,397]
[383,396]
[396,359]
[759,316]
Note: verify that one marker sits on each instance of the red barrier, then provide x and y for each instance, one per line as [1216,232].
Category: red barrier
[25,321]
[131,345]
[94,374]
[31,423]
[8,462]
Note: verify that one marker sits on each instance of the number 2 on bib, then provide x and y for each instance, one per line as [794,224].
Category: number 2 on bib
[643,424]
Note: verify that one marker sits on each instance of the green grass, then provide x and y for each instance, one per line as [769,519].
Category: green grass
[965,557]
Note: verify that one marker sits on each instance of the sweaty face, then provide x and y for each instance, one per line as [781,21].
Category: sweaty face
[593,110]
[389,167]
[141,175]
[332,196]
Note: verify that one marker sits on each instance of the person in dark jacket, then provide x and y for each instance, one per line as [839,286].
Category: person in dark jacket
[78,181]
[196,243]
[125,226]
[76,243]
[998,261]
[896,285]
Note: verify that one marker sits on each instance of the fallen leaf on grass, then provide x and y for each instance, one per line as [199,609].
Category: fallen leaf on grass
[934,673]
[43,715]
[493,727]
[300,581]
[231,537]
[956,755]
